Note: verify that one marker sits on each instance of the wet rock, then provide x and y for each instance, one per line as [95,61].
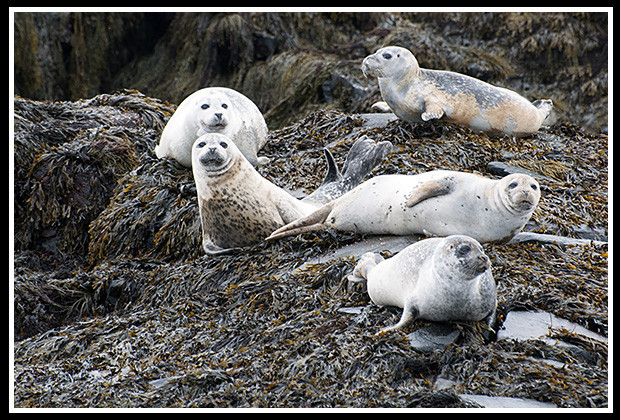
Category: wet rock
[506,402]
[433,337]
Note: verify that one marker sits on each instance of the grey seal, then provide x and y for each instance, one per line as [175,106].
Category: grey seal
[436,279]
[238,207]
[436,203]
[416,94]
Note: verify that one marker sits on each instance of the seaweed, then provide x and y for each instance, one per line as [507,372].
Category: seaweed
[126,310]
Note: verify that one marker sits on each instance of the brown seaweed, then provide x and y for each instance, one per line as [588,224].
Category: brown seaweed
[126,311]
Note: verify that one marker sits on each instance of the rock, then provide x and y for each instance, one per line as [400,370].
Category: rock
[526,325]
[506,402]
[435,336]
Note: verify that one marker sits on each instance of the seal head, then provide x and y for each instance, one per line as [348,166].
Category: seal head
[460,259]
[519,193]
[391,62]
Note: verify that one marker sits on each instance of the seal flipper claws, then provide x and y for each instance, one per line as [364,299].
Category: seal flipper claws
[433,111]
[430,189]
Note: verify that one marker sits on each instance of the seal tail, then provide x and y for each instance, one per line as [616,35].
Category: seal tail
[312,222]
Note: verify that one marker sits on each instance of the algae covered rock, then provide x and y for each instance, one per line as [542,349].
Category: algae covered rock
[115,304]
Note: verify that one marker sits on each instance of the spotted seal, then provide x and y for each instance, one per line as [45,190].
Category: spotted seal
[438,203]
[415,94]
[436,279]
[214,110]
[238,207]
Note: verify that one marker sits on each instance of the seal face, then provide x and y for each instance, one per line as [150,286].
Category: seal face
[214,110]
[437,279]
[415,94]
[216,114]
[436,203]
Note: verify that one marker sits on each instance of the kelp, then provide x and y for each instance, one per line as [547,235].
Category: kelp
[138,316]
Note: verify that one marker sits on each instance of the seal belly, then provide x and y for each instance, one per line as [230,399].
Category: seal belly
[235,220]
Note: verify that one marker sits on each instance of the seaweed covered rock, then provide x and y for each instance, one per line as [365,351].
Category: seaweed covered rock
[126,311]
[68,159]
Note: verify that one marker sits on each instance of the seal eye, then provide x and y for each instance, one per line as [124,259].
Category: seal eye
[201,145]
[224,106]
[513,185]
[387,56]
[224,144]
[534,187]
[204,106]
[463,250]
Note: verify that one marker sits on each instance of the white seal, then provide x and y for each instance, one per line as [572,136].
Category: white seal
[436,203]
[238,207]
[436,279]
[415,94]
[214,110]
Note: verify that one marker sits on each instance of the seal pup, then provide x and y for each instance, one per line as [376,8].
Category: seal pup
[436,203]
[214,110]
[415,94]
[436,279]
[238,207]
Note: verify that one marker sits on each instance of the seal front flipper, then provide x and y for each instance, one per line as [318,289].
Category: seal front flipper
[213,250]
[312,222]
[410,314]
[429,189]
[433,111]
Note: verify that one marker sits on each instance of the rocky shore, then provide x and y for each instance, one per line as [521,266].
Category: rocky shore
[116,305]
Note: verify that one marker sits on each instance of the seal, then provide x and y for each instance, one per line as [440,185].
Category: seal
[214,110]
[415,94]
[238,207]
[436,279]
[436,203]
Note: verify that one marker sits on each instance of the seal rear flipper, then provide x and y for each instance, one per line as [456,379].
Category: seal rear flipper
[362,158]
[429,189]
[333,174]
[312,222]
[367,262]
[410,314]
